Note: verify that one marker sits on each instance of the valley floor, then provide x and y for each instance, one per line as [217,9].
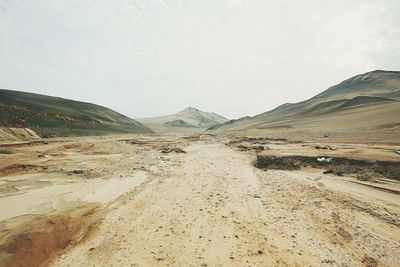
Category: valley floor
[211,207]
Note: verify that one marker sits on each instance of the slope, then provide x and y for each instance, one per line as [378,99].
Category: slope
[366,101]
[53,116]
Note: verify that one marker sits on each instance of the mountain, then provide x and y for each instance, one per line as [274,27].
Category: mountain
[188,120]
[367,101]
[53,116]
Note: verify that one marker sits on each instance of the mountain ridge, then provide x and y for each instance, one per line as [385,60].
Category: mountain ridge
[55,116]
[379,88]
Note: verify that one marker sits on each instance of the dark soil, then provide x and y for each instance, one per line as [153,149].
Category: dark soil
[336,165]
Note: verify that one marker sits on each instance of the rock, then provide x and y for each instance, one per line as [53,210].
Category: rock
[339,173]
[333,171]
[369,261]
[324,147]
[343,233]
[363,177]
[324,160]
[166,150]
[258,148]
[78,171]
[243,148]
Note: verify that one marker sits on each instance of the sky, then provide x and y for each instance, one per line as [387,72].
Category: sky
[237,58]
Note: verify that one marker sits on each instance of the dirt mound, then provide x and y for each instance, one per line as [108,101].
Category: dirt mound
[15,168]
[34,243]
[337,165]
[277,163]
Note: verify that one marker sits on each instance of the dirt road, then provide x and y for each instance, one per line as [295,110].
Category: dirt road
[210,207]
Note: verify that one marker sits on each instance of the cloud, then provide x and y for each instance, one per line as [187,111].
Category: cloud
[237,58]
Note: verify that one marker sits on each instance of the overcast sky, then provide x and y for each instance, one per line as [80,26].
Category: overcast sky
[156,57]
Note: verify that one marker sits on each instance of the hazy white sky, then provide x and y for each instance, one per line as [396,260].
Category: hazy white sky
[155,57]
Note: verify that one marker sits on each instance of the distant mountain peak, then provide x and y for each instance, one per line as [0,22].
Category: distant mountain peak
[382,71]
[190,117]
[189,110]
[373,74]
[373,83]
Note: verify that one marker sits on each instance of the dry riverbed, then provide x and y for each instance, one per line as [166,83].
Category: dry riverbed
[191,201]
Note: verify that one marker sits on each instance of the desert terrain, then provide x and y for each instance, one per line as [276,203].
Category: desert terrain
[199,133]
[198,200]
[314,183]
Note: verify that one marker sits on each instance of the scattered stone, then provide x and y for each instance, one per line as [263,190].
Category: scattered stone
[324,147]
[343,233]
[258,148]
[166,150]
[335,217]
[369,261]
[363,177]
[136,142]
[333,171]
[243,148]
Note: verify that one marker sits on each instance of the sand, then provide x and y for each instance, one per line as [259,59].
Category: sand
[207,207]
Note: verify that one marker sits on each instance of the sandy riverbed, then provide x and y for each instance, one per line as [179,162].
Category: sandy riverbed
[206,207]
